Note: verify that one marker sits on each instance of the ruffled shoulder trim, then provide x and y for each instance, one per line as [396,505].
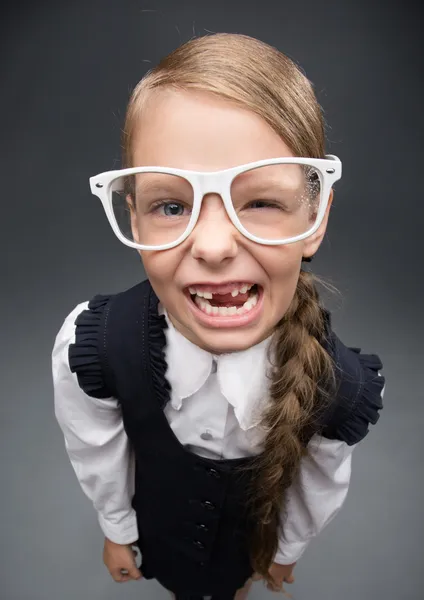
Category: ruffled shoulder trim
[157,344]
[84,354]
[97,353]
[360,393]
[355,417]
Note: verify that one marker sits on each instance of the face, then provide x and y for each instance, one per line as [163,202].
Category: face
[198,131]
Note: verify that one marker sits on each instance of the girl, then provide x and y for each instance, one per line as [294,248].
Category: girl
[210,412]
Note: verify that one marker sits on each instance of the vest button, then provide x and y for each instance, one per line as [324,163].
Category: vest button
[214,472]
[202,527]
[209,505]
[198,544]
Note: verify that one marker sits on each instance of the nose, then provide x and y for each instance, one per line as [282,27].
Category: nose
[214,239]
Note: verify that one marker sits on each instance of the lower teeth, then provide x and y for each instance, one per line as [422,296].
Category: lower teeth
[225,311]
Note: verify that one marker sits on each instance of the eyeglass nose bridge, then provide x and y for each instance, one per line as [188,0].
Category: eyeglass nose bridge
[213,183]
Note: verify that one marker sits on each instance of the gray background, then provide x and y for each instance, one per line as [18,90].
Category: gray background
[66,71]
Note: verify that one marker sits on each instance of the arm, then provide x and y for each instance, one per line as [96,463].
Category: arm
[321,488]
[96,443]
[315,497]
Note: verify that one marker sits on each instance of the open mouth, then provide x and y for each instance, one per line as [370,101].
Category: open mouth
[226,300]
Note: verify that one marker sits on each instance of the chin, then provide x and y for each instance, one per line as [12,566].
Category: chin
[227,341]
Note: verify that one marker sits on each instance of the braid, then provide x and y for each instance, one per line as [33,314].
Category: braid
[301,377]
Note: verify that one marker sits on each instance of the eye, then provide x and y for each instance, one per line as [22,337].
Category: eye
[173,209]
[265,204]
[168,209]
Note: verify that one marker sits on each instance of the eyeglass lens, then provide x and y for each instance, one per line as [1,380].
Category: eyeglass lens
[272,202]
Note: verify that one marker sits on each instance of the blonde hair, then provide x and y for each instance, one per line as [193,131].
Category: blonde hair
[258,77]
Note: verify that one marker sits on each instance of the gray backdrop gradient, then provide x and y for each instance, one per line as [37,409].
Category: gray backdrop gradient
[66,74]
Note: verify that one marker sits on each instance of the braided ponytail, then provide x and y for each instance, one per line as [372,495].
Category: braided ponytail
[299,363]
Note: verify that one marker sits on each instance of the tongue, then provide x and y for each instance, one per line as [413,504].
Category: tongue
[229,300]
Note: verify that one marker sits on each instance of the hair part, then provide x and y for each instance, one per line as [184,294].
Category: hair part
[259,78]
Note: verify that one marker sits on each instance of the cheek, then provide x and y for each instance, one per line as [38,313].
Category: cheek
[282,263]
[283,267]
[160,268]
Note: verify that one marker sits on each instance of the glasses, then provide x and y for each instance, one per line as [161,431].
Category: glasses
[271,202]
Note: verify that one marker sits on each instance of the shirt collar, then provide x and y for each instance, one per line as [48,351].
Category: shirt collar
[188,366]
[243,380]
[242,376]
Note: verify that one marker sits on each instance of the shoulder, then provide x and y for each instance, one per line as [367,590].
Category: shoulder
[66,333]
[75,348]
[86,332]
[360,387]
[62,376]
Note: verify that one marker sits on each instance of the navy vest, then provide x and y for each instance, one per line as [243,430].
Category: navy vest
[192,522]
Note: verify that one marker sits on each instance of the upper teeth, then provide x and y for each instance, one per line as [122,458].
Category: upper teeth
[208,295]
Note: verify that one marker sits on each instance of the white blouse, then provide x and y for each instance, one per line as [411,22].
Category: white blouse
[215,401]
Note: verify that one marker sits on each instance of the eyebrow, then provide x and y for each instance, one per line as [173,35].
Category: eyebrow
[156,186]
[265,184]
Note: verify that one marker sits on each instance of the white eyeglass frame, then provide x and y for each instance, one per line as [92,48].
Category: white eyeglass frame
[329,170]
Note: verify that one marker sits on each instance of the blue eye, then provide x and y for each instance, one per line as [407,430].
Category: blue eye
[168,209]
[173,209]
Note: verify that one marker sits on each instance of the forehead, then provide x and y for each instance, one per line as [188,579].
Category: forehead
[201,131]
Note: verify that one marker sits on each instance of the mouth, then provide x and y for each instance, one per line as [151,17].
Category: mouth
[227,305]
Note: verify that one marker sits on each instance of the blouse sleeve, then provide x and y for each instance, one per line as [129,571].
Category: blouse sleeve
[321,487]
[95,441]
[316,496]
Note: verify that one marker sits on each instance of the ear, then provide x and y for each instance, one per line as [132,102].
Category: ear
[313,242]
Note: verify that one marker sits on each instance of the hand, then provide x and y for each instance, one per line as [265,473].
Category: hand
[120,556]
[279,574]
